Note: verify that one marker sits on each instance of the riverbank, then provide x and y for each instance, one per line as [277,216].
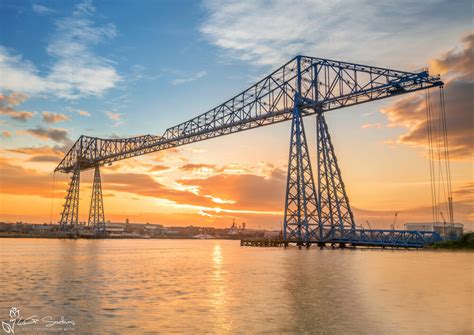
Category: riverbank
[465,243]
[129,237]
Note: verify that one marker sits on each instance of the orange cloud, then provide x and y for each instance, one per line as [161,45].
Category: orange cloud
[190,167]
[43,154]
[8,103]
[43,150]
[145,185]
[83,112]
[235,192]
[247,191]
[49,117]
[372,125]
[410,112]
[6,134]
[458,60]
[19,180]
[466,192]
[158,168]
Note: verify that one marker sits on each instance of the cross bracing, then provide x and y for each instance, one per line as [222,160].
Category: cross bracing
[323,85]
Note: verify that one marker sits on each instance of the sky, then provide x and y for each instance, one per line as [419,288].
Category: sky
[128,68]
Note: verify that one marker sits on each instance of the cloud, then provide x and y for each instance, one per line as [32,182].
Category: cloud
[22,181]
[146,185]
[457,61]
[19,75]
[246,191]
[83,112]
[54,134]
[114,116]
[86,7]
[42,154]
[465,192]
[8,103]
[42,10]
[6,134]
[372,125]
[49,117]
[45,159]
[191,78]
[158,168]
[76,70]
[410,112]
[271,32]
[225,191]
[190,167]
[43,150]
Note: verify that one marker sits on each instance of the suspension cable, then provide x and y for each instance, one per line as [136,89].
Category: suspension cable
[437,124]
[430,154]
[438,149]
[446,154]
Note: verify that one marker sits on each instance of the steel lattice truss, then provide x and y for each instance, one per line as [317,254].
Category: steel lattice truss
[385,237]
[69,215]
[301,208]
[96,213]
[323,85]
[302,87]
[334,208]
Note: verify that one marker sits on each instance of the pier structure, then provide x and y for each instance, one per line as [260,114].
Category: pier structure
[377,238]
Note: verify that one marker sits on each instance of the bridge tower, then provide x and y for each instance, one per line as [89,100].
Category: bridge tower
[70,213]
[310,215]
[301,208]
[96,211]
[314,214]
[334,211]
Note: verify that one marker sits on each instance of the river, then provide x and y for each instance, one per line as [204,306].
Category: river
[197,286]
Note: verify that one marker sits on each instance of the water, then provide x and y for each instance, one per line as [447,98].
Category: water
[192,286]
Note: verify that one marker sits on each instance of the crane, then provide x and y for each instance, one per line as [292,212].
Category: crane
[394,220]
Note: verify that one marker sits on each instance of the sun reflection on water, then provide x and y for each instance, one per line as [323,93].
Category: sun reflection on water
[218,288]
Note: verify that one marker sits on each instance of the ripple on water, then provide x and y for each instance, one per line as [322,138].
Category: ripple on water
[181,286]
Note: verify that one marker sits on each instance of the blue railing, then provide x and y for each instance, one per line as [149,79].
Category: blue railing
[382,237]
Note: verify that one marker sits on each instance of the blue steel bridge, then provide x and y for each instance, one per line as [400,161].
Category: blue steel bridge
[317,207]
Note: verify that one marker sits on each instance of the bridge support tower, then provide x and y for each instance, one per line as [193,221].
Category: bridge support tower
[335,215]
[315,214]
[70,213]
[96,211]
[301,208]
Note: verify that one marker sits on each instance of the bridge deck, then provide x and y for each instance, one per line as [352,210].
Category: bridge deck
[358,237]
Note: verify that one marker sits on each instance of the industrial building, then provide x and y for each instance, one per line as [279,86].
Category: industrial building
[446,230]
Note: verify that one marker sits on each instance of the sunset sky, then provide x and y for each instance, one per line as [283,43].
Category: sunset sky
[127,68]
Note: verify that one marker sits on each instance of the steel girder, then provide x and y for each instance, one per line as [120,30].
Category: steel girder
[322,84]
[69,215]
[383,237]
[301,208]
[334,211]
[96,211]
[88,152]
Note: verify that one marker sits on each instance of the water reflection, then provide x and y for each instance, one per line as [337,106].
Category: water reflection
[140,286]
[218,290]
